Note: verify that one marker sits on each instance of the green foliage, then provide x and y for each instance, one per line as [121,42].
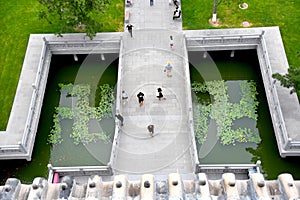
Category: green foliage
[201,116]
[82,113]
[199,87]
[78,15]
[106,100]
[64,112]
[68,88]
[290,80]
[225,112]
[55,133]
[248,102]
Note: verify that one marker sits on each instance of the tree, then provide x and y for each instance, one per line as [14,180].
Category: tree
[74,15]
[290,80]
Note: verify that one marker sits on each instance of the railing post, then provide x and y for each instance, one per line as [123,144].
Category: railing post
[45,40]
[287,143]
[193,148]
[258,166]
[50,167]
[113,153]
[21,146]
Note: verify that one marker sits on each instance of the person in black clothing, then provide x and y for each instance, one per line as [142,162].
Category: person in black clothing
[140,97]
[177,13]
[119,117]
[176,3]
[151,130]
[159,94]
[124,97]
[129,28]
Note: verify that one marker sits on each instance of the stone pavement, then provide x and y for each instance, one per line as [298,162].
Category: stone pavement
[158,16]
[143,60]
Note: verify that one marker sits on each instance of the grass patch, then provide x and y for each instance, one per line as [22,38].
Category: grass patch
[19,19]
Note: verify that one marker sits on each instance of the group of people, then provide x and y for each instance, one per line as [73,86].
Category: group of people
[176,14]
[141,99]
[141,96]
[177,11]
[149,127]
[168,69]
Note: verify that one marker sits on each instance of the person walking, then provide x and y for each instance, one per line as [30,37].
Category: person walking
[124,97]
[168,69]
[151,2]
[129,28]
[151,130]
[159,94]
[176,3]
[171,42]
[177,12]
[120,117]
[140,97]
[128,3]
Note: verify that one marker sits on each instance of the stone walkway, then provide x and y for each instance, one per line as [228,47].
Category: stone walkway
[143,60]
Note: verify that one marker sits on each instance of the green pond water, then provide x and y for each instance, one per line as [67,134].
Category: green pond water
[64,69]
[243,66]
[94,72]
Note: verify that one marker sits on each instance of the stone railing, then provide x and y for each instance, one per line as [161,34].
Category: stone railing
[274,104]
[223,42]
[148,186]
[193,148]
[118,100]
[26,145]
[84,46]
[36,86]
[217,169]
[13,148]
[79,171]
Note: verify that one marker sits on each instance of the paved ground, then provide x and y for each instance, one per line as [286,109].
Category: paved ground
[144,58]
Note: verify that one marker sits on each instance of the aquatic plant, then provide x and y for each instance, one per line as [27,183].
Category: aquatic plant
[55,133]
[224,112]
[105,102]
[82,113]
[201,114]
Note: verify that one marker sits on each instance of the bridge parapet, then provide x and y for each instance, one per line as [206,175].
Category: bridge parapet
[148,186]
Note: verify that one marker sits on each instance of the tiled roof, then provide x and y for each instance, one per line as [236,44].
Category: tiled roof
[149,186]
